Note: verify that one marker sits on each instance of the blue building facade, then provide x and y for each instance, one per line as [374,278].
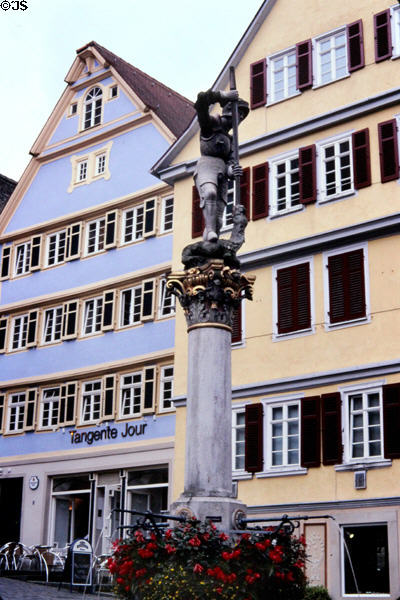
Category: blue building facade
[86,329]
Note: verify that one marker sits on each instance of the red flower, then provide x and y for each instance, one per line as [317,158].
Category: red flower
[223,537]
[198,568]
[194,541]
[151,546]
[144,553]
[168,534]
[170,549]
[290,576]
[219,590]
[139,536]
[206,537]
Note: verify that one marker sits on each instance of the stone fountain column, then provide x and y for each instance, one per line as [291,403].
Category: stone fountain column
[209,295]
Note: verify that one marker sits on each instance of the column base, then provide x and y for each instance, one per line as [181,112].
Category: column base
[224,512]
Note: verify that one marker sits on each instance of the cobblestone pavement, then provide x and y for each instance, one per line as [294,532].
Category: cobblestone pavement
[14,589]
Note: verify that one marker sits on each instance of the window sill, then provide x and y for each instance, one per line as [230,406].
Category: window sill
[367,463]
[273,102]
[343,324]
[279,337]
[241,475]
[282,472]
[341,196]
[287,211]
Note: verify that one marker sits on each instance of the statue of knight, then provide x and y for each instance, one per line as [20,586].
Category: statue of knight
[219,160]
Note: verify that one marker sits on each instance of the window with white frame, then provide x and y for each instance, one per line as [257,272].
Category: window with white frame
[166,388]
[50,407]
[131,395]
[285,184]
[227,217]
[365,559]
[92,316]
[336,168]
[16,412]
[282,75]
[133,224]
[395,23]
[131,306]
[52,325]
[19,332]
[167,214]
[166,301]
[22,258]
[100,166]
[331,57]
[238,440]
[92,108]
[56,247]
[113,91]
[364,436]
[81,171]
[283,435]
[95,236]
[91,401]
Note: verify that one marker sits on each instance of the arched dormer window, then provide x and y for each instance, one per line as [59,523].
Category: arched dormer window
[93,102]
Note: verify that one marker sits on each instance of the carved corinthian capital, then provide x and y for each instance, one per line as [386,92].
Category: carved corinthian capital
[209,294]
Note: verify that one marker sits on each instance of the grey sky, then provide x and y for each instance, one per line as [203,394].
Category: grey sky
[175,41]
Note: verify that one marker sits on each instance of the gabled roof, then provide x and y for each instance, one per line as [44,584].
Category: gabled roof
[162,167]
[7,187]
[174,110]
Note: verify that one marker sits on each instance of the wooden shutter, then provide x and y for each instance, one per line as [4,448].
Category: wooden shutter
[3,333]
[108,310]
[30,409]
[149,389]
[258,83]
[35,252]
[5,262]
[254,460]
[111,229]
[355,46]
[67,404]
[383,35]
[260,191]
[346,286]
[245,191]
[388,150]
[197,214]
[73,241]
[237,324]
[2,406]
[310,432]
[109,395]
[361,159]
[32,327]
[150,217]
[332,449]
[70,320]
[307,174]
[304,74]
[293,293]
[147,299]
[391,420]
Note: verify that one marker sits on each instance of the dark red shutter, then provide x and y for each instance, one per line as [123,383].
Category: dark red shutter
[237,325]
[293,285]
[391,420]
[383,35]
[346,286]
[388,150]
[260,191]
[304,76]
[310,432]
[254,438]
[307,174]
[258,83]
[332,449]
[361,159]
[197,214]
[245,191]
[355,46]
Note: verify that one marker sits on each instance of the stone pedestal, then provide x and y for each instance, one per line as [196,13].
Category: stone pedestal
[209,295]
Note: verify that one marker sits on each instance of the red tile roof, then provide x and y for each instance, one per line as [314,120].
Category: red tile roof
[174,110]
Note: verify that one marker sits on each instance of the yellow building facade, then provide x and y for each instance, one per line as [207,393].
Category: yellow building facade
[318,351]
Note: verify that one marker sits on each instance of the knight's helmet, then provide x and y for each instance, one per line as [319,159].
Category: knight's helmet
[243,109]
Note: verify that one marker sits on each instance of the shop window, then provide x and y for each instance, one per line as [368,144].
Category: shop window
[71,509]
[365,560]
[147,490]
